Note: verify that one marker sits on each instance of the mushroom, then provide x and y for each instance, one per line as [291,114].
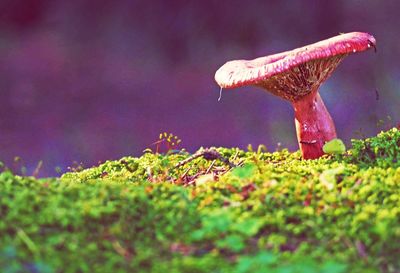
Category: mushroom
[296,76]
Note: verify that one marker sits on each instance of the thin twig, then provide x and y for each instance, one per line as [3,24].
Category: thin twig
[236,154]
[208,154]
[187,160]
[186,172]
[37,169]
[211,165]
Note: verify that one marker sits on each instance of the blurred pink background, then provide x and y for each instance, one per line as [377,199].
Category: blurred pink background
[89,81]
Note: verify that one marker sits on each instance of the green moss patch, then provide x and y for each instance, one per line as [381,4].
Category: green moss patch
[224,210]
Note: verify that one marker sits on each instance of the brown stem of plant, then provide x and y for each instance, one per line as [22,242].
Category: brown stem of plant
[314,125]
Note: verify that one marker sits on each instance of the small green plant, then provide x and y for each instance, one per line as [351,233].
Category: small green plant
[76,167]
[244,171]
[169,140]
[335,146]
[382,150]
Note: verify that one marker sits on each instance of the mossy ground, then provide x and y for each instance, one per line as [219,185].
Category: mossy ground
[272,213]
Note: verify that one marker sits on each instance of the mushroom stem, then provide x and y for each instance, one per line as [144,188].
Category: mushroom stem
[314,125]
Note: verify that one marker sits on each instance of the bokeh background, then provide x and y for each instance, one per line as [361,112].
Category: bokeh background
[87,81]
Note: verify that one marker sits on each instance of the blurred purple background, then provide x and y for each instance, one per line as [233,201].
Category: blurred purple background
[88,81]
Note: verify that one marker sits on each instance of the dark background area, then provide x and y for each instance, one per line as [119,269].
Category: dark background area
[89,81]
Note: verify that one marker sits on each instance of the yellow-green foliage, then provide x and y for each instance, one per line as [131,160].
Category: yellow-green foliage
[272,213]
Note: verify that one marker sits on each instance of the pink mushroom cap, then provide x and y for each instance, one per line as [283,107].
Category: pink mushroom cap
[295,73]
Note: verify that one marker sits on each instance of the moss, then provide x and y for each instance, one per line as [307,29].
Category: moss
[273,212]
[382,151]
